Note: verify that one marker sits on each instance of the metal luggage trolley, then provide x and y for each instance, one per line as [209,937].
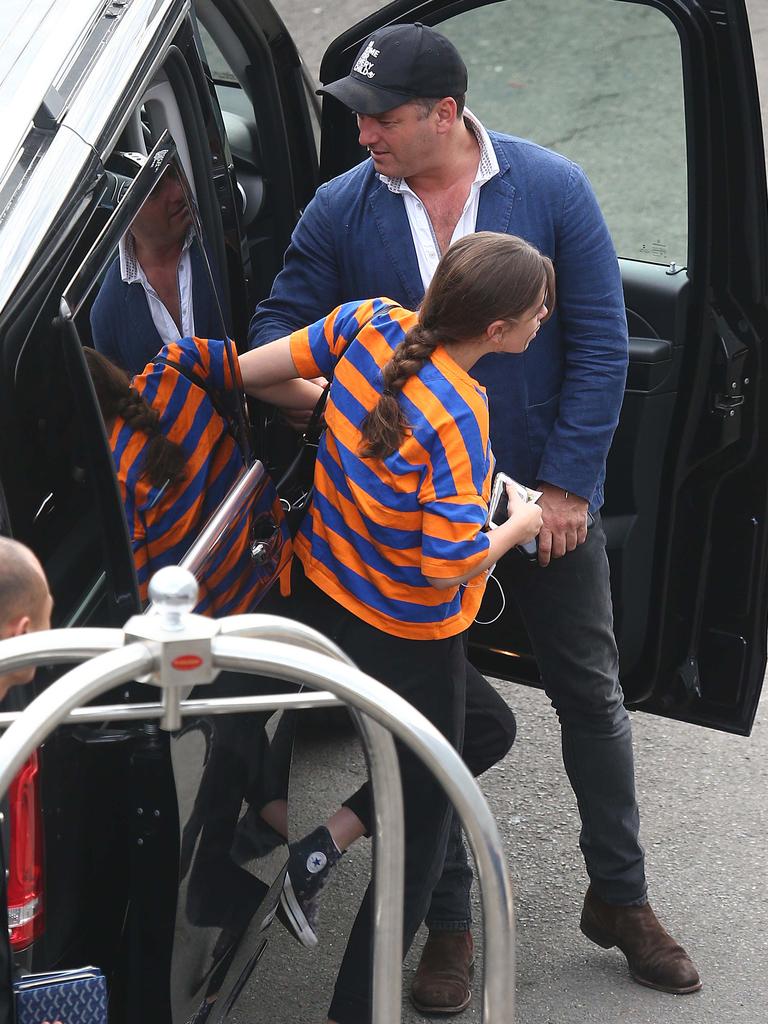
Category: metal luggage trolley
[175,650]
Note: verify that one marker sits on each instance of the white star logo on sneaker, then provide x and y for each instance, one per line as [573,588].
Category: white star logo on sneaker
[316,862]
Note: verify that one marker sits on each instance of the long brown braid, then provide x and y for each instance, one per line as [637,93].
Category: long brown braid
[386,425]
[483,277]
[164,460]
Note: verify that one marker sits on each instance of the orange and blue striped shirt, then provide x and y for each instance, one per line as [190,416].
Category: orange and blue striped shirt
[378,527]
[164,521]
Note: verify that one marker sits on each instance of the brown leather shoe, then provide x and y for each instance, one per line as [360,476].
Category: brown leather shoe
[654,958]
[442,980]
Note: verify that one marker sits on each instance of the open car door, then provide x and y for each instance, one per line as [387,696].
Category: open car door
[658,102]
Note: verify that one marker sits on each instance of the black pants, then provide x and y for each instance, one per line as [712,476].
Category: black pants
[489,734]
[430,675]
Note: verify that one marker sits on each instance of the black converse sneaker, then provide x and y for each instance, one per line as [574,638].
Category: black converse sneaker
[309,867]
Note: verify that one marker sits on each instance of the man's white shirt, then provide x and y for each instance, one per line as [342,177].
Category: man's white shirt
[424,240]
[132,272]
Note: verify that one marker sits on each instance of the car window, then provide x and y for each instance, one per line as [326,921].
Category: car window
[220,70]
[600,82]
[228,72]
[150,281]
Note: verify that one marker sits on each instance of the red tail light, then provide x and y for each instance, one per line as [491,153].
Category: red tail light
[25,860]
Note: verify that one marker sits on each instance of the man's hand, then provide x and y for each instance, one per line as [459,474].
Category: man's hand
[565,522]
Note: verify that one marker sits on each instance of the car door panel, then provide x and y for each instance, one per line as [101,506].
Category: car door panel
[655,301]
[193,904]
[685,496]
[116,803]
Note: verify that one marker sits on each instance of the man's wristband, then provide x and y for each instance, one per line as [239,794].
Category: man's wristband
[566,494]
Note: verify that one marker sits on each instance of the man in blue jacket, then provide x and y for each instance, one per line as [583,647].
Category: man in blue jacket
[435,174]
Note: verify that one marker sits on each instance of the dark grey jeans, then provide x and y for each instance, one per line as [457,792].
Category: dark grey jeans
[567,611]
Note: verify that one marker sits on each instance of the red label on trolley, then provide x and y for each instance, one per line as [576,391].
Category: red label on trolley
[186,662]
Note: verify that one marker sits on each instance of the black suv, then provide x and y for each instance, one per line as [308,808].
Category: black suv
[133,849]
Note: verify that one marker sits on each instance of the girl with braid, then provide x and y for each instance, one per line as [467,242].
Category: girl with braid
[392,557]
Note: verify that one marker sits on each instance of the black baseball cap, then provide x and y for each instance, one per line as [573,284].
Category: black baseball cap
[397,64]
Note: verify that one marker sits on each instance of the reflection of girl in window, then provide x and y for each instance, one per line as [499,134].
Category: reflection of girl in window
[176,459]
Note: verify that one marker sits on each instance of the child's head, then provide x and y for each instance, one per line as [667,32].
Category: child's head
[484,278]
[487,286]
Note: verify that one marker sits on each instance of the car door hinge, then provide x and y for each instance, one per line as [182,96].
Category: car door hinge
[730,365]
[689,675]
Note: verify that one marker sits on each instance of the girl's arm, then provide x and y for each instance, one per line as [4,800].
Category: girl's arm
[264,367]
[523,524]
[269,373]
[294,396]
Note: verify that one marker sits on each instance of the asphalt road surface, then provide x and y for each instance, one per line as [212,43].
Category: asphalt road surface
[704,824]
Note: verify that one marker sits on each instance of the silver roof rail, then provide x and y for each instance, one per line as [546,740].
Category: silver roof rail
[175,650]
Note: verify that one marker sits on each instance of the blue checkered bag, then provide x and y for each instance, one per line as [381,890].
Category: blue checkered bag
[74,997]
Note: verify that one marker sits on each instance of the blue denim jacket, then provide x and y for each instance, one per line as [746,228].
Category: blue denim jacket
[553,409]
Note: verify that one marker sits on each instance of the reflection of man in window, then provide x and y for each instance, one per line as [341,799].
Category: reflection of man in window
[158,289]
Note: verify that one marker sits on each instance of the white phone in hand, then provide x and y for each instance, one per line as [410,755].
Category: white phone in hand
[498,509]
